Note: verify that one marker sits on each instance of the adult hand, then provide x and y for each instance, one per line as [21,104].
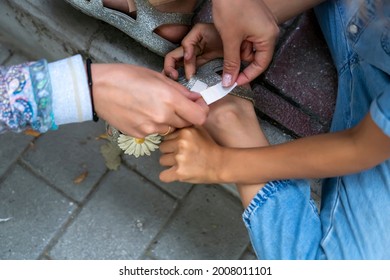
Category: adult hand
[138,101]
[243,24]
[200,45]
[192,156]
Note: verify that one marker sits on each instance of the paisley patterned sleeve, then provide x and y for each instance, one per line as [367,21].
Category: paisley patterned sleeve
[26,98]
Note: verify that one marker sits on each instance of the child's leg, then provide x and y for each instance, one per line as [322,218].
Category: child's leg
[281,219]
[232,122]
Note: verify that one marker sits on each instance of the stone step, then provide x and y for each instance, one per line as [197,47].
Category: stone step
[298,91]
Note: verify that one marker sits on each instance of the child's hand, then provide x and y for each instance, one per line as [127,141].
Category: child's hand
[192,156]
[201,45]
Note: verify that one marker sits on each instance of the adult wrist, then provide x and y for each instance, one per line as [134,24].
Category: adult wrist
[95,117]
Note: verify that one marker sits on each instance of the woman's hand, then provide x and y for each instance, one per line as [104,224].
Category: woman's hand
[243,24]
[201,45]
[192,156]
[138,101]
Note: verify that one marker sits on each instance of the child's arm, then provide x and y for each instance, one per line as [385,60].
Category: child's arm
[284,10]
[328,155]
[194,156]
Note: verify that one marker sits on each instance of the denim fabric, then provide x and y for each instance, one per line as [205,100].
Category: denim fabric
[354,221]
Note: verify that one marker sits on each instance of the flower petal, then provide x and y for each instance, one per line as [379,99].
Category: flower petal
[131,147]
[130,150]
[137,151]
[146,149]
[152,147]
[154,138]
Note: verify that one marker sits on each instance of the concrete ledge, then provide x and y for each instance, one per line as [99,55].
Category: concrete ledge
[54,30]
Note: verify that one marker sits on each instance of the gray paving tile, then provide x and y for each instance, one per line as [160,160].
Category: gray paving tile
[63,155]
[150,168]
[36,213]
[273,134]
[231,188]
[208,225]
[119,221]
[249,254]
[12,145]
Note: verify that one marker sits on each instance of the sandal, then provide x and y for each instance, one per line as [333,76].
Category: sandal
[142,28]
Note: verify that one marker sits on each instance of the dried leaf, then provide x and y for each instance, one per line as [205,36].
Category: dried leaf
[79,179]
[112,155]
[103,136]
[31,132]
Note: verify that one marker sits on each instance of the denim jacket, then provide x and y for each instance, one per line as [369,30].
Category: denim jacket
[354,219]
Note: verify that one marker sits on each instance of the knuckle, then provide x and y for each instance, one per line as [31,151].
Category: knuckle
[186,43]
[187,133]
[160,118]
[231,64]
[201,120]
[182,144]
[168,97]
[181,175]
[149,129]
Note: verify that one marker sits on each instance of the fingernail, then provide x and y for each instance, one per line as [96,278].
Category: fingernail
[226,80]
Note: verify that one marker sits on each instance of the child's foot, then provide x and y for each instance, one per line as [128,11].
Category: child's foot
[173,33]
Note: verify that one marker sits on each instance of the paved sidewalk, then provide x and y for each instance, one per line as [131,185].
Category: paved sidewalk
[126,214]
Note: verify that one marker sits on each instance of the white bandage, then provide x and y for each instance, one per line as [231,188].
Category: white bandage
[211,94]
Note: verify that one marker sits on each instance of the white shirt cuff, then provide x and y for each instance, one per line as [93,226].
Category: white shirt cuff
[71,97]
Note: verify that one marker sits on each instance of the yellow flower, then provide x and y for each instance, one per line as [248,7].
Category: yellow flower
[139,146]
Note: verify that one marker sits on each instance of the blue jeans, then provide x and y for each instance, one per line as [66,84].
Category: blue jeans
[354,221]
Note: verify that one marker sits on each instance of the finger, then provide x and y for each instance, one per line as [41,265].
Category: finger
[171,61]
[193,112]
[260,63]
[231,62]
[202,103]
[168,175]
[190,111]
[168,146]
[167,160]
[191,51]
[171,136]
[191,41]
[247,53]
[185,111]
[189,65]
[194,96]
[178,122]
[165,130]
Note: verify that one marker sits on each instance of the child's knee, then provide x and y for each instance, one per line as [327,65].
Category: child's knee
[231,113]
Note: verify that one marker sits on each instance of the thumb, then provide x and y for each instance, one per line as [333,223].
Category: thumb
[231,62]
